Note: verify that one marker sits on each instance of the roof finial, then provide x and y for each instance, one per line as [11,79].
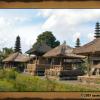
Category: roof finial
[63,47]
[64,42]
[97,30]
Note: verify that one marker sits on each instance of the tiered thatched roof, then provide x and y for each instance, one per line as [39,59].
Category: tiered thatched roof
[91,47]
[39,49]
[17,57]
[63,51]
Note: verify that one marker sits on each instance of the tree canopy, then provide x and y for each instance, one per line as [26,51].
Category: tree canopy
[48,38]
[17,44]
[5,52]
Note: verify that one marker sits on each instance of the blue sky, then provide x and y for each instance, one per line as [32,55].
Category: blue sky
[66,24]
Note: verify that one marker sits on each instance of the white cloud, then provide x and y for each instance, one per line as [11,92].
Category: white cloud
[28,35]
[50,23]
[10,29]
[66,24]
[44,12]
[76,35]
[90,36]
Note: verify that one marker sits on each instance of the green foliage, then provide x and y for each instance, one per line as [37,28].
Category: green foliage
[32,83]
[7,79]
[48,38]
[17,44]
[2,74]
[8,74]
[5,52]
[6,85]
[10,80]
[26,83]
[11,74]
[83,66]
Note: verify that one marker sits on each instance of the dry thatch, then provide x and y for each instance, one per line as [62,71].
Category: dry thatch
[17,57]
[74,56]
[91,47]
[96,66]
[39,49]
[63,51]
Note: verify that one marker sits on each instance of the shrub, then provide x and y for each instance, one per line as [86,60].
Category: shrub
[6,85]
[26,83]
[33,83]
[8,74]
[2,74]
[10,80]
[11,74]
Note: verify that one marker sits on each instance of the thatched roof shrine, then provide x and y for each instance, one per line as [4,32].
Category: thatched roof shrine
[62,51]
[89,48]
[92,47]
[17,57]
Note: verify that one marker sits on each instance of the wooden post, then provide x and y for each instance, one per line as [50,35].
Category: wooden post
[72,66]
[52,62]
[36,66]
[89,65]
[61,61]
[39,60]
[29,59]
[36,60]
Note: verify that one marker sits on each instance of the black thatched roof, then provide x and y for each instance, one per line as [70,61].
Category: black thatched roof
[39,49]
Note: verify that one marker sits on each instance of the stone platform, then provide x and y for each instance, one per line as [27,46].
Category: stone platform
[89,79]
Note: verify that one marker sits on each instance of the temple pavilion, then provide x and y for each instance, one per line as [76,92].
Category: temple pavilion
[17,60]
[63,62]
[53,62]
[36,67]
[92,51]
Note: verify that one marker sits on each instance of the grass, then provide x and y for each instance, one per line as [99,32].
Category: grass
[10,80]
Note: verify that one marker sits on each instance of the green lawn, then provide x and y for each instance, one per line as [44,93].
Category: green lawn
[10,80]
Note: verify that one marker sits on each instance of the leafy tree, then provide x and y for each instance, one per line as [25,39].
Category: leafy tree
[48,38]
[4,53]
[77,42]
[17,44]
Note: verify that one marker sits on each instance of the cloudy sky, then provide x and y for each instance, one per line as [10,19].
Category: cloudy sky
[66,24]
